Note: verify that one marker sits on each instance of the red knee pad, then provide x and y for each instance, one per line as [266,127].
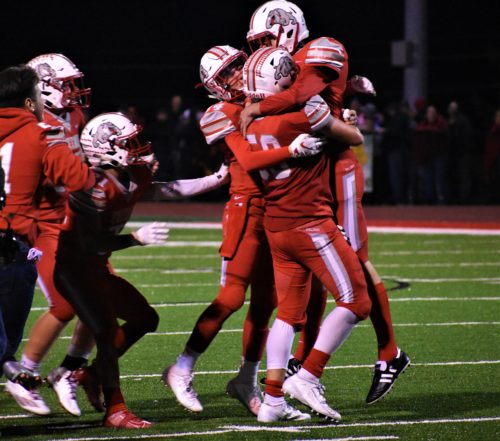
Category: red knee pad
[361,307]
[296,322]
[232,295]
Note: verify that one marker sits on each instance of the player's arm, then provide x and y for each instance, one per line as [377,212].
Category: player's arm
[64,168]
[155,233]
[321,121]
[302,145]
[184,188]
[311,81]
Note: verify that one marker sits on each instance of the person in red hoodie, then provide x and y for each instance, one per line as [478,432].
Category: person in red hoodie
[30,152]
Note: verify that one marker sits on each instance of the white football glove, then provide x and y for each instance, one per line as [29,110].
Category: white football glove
[362,85]
[305,145]
[152,234]
[350,116]
[222,172]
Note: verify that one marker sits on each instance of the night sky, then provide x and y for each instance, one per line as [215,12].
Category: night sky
[144,52]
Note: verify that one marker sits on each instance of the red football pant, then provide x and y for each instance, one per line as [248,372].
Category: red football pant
[316,247]
[349,189]
[47,243]
[251,265]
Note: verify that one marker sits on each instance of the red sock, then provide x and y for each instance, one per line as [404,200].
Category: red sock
[316,362]
[273,388]
[113,399]
[380,316]
[315,311]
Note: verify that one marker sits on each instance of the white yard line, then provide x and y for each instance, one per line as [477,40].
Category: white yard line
[287,429]
[393,299]
[389,230]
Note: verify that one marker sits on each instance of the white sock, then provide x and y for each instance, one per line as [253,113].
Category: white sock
[187,360]
[248,372]
[279,344]
[273,401]
[30,364]
[307,376]
[335,329]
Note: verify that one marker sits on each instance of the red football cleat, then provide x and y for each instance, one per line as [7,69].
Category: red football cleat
[124,419]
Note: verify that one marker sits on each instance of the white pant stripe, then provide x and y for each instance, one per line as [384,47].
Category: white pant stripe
[335,266]
[223,271]
[350,225]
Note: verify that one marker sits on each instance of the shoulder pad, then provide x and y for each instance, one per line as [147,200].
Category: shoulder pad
[216,125]
[317,112]
[326,52]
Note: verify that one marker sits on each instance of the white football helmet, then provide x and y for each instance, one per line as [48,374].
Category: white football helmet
[219,69]
[111,139]
[280,19]
[268,71]
[61,83]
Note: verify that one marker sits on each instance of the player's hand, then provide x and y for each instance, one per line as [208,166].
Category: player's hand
[305,145]
[362,85]
[152,234]
[350,117]
[34,254]
[247,116]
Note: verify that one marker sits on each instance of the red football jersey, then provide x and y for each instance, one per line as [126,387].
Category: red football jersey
[295,192]
[53,200]
[30,153]
[323,52]
[104,209]
[220,120]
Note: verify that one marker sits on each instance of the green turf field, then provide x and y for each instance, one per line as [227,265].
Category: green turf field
[446,311]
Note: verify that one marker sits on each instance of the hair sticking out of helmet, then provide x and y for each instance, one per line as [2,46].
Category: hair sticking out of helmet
[61,82]
[277,23]
[268,71]
[221,72]
[111,139]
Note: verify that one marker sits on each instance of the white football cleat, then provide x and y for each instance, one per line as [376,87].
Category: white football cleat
[311,394]
[248,394]
[281,412]
[64,384]
[29,400]
[182,386]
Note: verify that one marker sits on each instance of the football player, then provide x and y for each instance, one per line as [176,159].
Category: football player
[64,96]
[298,221]
[246,259]
[31,152]
[323,69]
[83,274]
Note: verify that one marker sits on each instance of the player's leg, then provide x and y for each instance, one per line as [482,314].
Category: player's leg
[244,386]
[328,255]
[349,188]
[293,283]
[315,310]
[86,286]
[240,245]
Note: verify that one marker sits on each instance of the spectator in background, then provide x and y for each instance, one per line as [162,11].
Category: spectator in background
[133,114]
[463,162]
[492,160]
[395,145]
[159,133]
[430,158]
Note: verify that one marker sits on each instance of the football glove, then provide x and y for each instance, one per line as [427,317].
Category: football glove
[152,234]
[305,145]
[362,85]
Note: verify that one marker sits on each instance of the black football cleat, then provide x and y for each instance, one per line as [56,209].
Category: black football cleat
[294,366]
[386,374]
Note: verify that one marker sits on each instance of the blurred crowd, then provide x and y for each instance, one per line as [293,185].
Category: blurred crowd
[421,154]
